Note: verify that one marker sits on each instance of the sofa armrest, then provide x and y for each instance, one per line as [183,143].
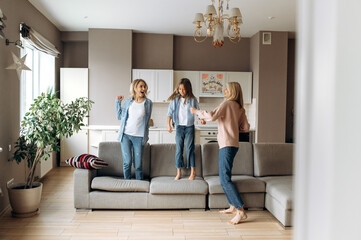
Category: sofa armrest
[82,185]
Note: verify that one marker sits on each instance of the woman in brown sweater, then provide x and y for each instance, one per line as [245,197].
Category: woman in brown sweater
[232,120]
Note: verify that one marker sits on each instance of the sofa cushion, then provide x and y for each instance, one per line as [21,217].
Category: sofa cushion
[281,189]
[111,153]
[167,185]
[272,159]
[244,184]
[116,184]
[163,160]
[242,164]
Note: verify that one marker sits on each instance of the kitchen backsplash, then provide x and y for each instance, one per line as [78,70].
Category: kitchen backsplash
[159,114]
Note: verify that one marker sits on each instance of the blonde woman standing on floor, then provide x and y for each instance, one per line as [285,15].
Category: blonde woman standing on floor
[232,120]
[134,127]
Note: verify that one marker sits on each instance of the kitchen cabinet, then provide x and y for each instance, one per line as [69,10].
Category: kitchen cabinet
[167,137]
[160,83]
[95,137]
[99,133]
[153,137]
[73,84]
[110,135]
[245,80]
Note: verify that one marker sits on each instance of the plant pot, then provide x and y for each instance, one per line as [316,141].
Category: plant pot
[25,202]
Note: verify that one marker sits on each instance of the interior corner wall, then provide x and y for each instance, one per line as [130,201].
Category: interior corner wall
[110,64]
[190,55]
[254,68]
[152,51]
[272,89]
[290,113]
[17,12]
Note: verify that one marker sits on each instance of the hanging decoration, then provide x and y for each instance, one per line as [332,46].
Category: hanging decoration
[18,65]
[2,24]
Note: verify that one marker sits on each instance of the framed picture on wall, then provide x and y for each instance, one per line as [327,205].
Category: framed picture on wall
[212,84]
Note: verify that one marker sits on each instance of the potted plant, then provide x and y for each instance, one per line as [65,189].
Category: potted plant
[48,120]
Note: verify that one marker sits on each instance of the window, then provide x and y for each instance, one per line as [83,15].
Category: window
[40,79]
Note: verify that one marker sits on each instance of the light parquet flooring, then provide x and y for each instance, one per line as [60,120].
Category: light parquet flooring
[59,220]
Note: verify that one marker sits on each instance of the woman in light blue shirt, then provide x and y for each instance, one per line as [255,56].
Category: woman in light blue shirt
[178,111]
[134,127]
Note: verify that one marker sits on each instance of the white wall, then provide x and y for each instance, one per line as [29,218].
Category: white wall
[328,117]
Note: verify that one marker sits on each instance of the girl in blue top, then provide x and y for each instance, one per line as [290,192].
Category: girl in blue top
[134,126]
[178,111]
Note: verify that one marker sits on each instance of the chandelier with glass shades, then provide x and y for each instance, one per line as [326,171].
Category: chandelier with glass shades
[214,23]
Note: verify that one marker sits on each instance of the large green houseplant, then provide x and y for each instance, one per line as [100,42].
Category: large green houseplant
[47,121]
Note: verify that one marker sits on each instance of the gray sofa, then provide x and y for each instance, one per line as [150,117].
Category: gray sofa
[262,173]
[273,164]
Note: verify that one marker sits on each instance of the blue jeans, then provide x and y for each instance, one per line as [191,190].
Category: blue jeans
[185,134]
[226,157]
[128,144]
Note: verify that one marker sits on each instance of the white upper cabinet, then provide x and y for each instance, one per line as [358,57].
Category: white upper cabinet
[167,137]
[160,83]
[245,80]
[149,77]
[193,76]
[164,85]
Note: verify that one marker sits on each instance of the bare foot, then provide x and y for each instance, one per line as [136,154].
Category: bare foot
[240,216]
[193,174]
[179,174]
[231,209]
[191,177]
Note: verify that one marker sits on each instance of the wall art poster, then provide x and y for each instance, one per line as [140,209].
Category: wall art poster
[212,84]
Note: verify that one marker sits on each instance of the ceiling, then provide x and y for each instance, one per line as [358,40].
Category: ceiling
[163,16]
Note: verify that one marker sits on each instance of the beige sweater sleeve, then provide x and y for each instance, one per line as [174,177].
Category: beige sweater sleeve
[244,125]
[213,115]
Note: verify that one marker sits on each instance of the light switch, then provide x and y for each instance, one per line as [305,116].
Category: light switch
[9,147]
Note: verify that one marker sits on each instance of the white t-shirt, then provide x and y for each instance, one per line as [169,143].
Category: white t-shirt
[135,122]
[183,112]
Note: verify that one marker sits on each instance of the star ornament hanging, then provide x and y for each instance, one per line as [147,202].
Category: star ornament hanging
[19,64]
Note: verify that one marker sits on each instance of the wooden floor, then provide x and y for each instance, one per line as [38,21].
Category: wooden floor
[59,220]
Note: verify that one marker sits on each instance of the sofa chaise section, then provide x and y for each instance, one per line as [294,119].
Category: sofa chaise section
[273,164]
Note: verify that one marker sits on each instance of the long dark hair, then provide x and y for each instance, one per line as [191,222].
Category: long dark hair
[188,87]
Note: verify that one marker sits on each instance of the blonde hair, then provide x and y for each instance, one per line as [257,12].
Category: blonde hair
[235,92]
[135,84]
[187,86]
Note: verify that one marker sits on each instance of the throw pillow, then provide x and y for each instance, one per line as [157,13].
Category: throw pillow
[86,161]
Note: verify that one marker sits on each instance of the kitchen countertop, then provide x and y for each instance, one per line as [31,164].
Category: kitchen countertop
[154,128]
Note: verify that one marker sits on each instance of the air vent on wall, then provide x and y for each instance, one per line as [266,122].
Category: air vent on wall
[267,38]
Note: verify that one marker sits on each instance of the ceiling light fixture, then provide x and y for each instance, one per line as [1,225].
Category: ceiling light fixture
[214,23]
